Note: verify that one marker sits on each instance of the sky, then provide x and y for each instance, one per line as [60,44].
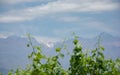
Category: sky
[51,20]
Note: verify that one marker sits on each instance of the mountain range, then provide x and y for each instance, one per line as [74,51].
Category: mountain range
[14,52]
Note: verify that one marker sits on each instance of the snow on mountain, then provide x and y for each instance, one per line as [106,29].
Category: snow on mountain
[49,42]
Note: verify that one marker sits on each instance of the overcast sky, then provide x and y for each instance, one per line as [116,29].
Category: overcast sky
[55,19]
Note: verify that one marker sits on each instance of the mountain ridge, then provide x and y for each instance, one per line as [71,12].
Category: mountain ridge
[14,52]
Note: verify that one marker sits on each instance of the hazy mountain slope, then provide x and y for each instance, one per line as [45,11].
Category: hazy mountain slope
[13,50]
[109,42]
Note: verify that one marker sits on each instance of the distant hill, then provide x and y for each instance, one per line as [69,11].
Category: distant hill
[14,52]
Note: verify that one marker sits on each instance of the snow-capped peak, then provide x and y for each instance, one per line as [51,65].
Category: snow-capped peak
[49,42]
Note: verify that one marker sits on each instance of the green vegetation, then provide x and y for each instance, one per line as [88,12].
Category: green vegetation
[81,63]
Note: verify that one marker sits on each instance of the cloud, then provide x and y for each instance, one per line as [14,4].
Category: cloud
[101,27]
[87,27]
[12,2]
[73,19]
[10,19]
[70,19]
[66,31]
[57,7]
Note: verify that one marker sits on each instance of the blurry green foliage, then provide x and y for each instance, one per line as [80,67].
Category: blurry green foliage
[81,63]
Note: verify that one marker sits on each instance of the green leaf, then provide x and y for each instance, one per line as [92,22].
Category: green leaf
[94,55]
[93,51]
[61,55]
[102,48]
[38,48]
[58,49]
[28,45]
[75,41]
[101,54]
[39,56]
[55,58]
